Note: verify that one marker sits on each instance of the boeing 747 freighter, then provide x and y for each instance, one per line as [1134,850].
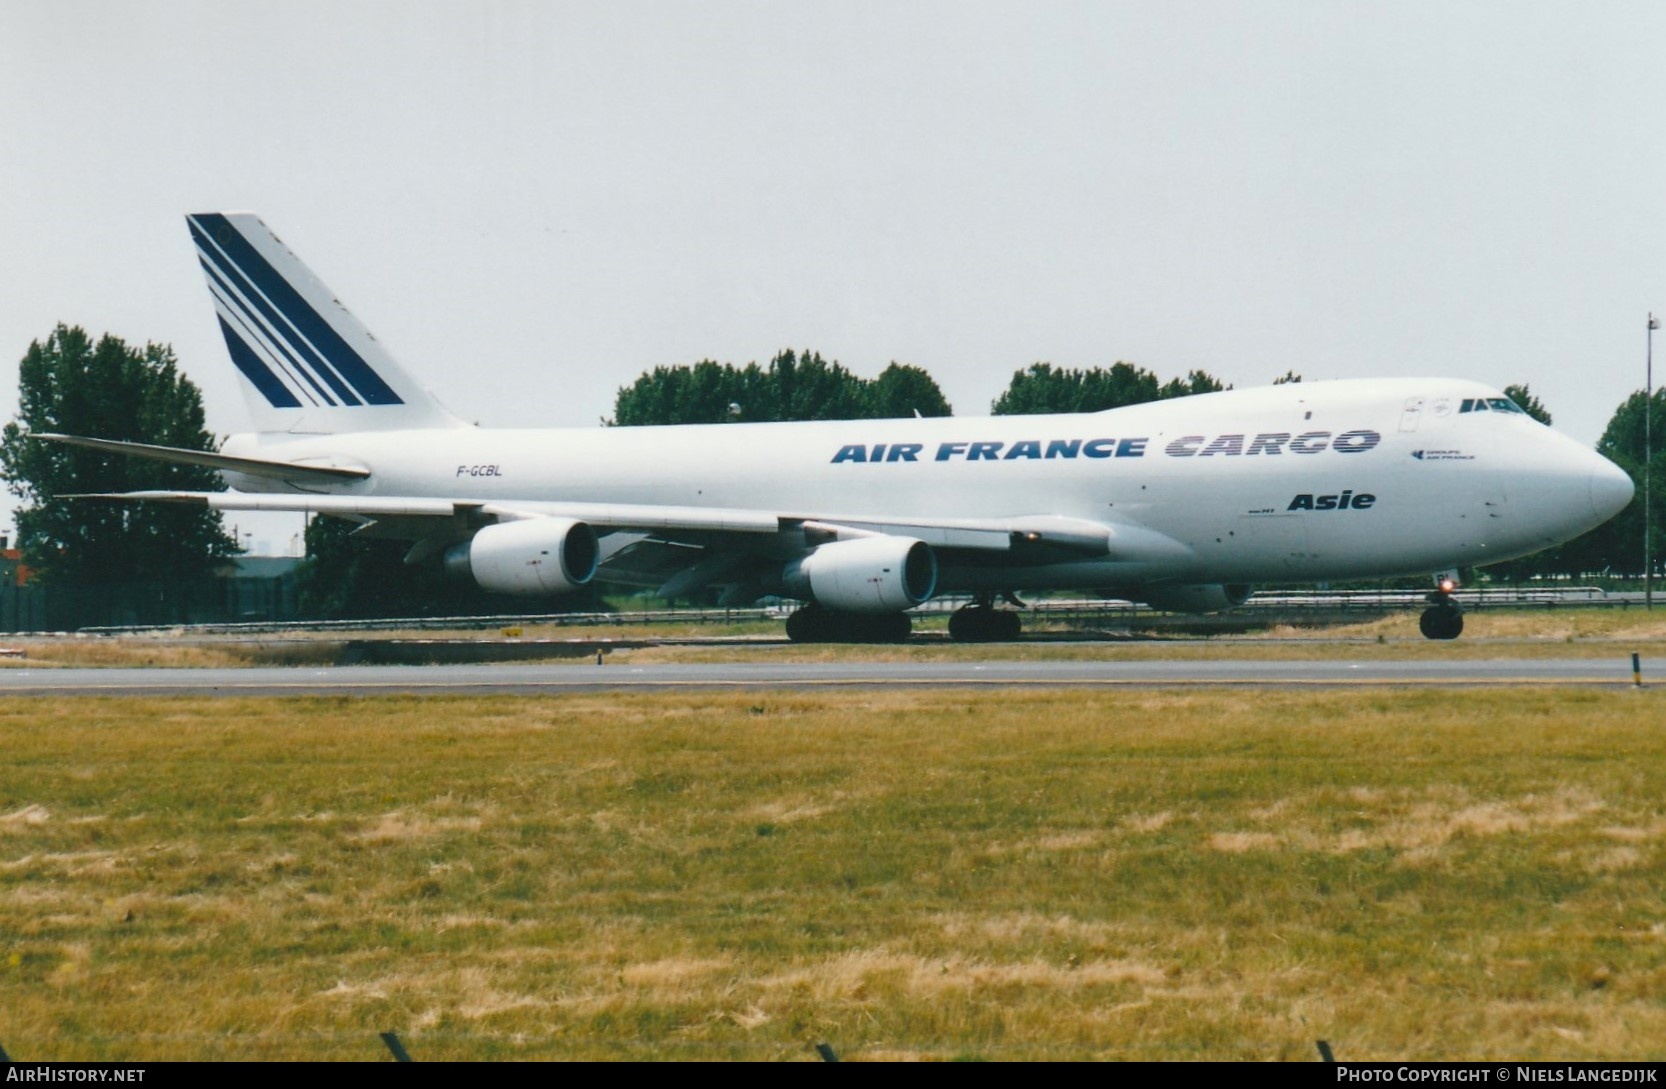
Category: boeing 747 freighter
[1184,504]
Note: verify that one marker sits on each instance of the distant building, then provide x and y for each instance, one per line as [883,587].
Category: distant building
[13,571]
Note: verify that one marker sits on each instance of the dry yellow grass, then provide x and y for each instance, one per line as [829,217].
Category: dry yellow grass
[1544,624]
[906,875]
[1498,633]
[53,652]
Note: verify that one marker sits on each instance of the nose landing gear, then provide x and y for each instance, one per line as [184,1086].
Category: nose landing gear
[1442,619]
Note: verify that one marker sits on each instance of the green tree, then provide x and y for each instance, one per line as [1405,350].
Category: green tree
[1616,546]
[901,391]
[794,386]
[1044,388]
[1194,383]
[702,393]
[347,578]
[1287,379]
[108,390]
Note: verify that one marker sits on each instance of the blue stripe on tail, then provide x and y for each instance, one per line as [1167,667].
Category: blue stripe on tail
[282,330]
[283,353]
[256,371]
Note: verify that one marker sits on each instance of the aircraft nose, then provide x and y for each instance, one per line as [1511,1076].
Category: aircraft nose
[1611,489]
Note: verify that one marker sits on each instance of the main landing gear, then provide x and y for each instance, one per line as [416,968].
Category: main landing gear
[983,623]
[1442,619]
[979,622]
[814,624]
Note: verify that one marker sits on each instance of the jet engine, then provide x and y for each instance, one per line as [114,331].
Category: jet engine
[1196,598]
[529,556]
[865,575]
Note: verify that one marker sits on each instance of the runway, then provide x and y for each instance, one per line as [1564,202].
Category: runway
[549,679]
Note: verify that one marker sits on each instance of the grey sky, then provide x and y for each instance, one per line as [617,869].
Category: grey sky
[532,203]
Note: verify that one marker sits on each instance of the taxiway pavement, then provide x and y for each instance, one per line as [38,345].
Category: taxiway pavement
[533,679]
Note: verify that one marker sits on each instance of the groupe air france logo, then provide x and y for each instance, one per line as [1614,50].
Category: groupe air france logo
[1264,444]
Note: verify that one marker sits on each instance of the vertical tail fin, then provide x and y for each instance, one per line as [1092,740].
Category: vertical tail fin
[308,365]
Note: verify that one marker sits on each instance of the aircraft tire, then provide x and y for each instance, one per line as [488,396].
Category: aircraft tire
[970,624]
[870,627]
[893,628]
[982,624]
[808,625]
[814,624]
[1441,622]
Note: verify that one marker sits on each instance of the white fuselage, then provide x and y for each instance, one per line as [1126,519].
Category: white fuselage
[1291,483]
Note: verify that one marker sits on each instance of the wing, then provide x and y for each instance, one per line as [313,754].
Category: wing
[677,549]
[681,550]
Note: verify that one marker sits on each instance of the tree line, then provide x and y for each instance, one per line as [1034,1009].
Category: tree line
[792,386]
[106,388]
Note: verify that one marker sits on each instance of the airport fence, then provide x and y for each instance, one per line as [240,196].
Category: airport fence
[1269,608]
[37,607]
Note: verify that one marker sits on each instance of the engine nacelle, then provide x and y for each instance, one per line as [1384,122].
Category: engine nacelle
[1197,598]
[528,556]
[865,575]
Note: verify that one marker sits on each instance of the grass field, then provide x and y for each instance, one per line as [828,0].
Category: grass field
[1406,874]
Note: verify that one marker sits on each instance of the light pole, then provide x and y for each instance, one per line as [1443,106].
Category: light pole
[1648,459]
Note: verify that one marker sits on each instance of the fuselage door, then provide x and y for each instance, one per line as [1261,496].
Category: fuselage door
[1411,413]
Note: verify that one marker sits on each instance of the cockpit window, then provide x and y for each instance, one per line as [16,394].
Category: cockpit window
[1489,404]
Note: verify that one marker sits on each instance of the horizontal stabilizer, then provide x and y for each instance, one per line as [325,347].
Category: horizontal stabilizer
[340,505]
[271,470]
